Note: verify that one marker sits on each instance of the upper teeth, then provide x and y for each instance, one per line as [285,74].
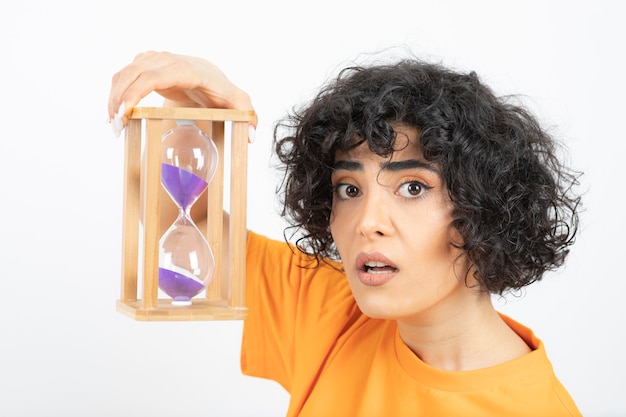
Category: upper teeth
[374,264]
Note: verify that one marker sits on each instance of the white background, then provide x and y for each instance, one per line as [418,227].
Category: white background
[65,351]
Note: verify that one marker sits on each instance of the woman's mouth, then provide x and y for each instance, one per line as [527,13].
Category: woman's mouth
[374,269]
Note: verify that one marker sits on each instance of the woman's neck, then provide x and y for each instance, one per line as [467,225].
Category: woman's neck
[461,339]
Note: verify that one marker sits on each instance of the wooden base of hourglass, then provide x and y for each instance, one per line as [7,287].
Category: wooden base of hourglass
[224,299]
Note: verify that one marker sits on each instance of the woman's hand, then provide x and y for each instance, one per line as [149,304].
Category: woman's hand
[184,81]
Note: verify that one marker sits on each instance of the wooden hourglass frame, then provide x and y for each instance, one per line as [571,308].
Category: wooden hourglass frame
[224,298]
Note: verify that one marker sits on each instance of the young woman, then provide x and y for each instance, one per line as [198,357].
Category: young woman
[414,194]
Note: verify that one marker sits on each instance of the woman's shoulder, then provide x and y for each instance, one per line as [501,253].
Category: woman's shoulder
[261,248]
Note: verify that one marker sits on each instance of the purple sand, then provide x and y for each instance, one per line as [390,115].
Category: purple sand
[183,186]
[178,286]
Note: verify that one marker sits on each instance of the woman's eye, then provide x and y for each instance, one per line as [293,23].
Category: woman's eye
[411,189]
[346,191]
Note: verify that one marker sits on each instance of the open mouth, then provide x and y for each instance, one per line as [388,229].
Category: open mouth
[376,267]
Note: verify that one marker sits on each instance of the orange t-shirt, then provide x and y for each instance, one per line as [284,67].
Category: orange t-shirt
[305,331]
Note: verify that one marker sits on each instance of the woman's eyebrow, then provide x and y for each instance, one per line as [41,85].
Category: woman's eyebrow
[348,165]
[387,165]
[407,164]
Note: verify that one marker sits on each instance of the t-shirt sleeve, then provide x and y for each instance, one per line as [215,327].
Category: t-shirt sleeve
[294,310]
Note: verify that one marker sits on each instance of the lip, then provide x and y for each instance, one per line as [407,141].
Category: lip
[374,279]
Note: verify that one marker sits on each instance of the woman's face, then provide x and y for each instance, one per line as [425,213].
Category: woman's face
[391,222]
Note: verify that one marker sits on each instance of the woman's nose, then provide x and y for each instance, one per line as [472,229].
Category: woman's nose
[374,216]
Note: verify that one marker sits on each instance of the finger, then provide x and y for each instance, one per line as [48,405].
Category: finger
[120,82]
[126,78]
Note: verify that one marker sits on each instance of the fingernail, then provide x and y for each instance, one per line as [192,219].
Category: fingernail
[117,130]
[251,134]
[117,124]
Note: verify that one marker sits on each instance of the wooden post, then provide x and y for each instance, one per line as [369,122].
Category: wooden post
[215,204]
[238,201]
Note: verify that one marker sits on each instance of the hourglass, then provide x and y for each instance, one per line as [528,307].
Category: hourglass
[180,263]
[188,163]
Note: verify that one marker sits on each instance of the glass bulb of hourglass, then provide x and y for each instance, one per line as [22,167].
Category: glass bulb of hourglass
[187,149]
[186,262]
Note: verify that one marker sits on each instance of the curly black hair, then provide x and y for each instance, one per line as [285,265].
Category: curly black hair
[513,200]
